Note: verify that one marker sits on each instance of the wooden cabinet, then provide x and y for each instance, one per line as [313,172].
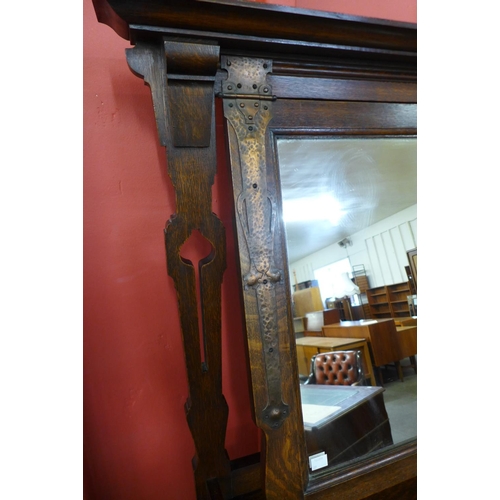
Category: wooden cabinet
[307,300]
[398,299]
[389,301]
[379,302]
[380,335]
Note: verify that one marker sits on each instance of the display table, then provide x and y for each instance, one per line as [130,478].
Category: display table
[307,347]
[345,422]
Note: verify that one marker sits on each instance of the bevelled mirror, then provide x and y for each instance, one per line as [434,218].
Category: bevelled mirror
[350,210]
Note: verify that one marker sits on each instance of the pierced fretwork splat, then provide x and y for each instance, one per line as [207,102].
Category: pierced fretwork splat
[183,99]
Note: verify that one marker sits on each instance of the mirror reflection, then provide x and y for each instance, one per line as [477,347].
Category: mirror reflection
[350,214]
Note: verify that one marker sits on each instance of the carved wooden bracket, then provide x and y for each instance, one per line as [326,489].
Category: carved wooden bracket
[181,76]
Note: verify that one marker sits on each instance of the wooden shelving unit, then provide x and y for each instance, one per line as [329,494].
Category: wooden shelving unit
[389,301]
[398,299]
[379,302]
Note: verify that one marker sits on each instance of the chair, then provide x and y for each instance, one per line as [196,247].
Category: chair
[337,368]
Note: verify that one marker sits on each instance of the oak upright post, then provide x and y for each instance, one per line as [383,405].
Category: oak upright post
[181,76]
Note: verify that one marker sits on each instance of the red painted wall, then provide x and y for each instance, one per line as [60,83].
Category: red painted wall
[136,441]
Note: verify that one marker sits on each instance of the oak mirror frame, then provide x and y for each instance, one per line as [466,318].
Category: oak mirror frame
[263,258]
[277,72]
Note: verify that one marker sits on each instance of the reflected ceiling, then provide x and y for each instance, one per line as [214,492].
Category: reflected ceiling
[369,178]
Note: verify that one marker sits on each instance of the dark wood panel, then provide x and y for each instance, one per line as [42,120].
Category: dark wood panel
[331,67]
[407,490]
[346,90]
[301,117]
